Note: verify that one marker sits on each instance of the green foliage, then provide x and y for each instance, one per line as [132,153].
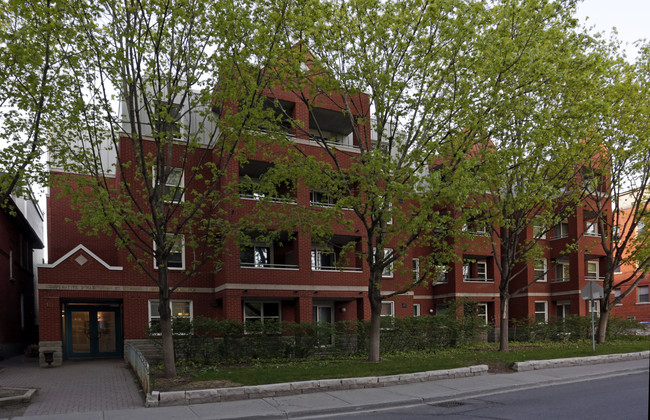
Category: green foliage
[572,328]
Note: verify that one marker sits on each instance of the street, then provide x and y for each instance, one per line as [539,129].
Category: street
[621,397]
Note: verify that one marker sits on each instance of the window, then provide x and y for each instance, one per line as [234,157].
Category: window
[481,270]
[617,294]
[476,271]
[643,295]
[262,312]
[179,308]
[388,270]
[595,308]
[539,232]
[168,120]
[617,269]
[442,274]
[540,270]
[591,228]
[541,312]
[176,258]
[388,308]
[640,227]
[476,227]
[563,310]
[416,269]
[562,272]
[323,259]
[416,309]
[258,255]
[592,270]
[616,233]
[562,230]
[482,312]
[11,265]
[318,198]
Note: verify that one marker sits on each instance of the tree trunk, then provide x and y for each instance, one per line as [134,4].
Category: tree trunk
[167,336]
[375,318]
[602,325]
[503,327]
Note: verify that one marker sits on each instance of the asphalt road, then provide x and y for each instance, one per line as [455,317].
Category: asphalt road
[622,397]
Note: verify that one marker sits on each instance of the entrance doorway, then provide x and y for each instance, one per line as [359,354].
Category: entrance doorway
[93,330]
[323,313]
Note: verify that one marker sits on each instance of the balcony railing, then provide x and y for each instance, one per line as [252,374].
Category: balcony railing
[594,277]
[477,280]
[259,196]
[560,236]
[334,268]
[592,234]
[560,280]
[243,264]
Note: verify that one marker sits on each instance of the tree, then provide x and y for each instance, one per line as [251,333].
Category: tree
[545,73]
[189,75]
[37,97]
[619,178]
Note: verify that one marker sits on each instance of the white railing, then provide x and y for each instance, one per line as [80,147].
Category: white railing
[139,365]
[243,264]
[560,236]
[477,280]
[334,268]
[595,278]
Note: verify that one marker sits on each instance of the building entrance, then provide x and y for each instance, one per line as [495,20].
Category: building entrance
[93,331]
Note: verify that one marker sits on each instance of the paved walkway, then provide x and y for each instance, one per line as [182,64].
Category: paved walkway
[77,386]
[108,385]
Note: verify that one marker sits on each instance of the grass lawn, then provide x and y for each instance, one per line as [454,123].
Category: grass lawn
[194,377]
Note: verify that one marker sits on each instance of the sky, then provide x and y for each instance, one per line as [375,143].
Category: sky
[630,17]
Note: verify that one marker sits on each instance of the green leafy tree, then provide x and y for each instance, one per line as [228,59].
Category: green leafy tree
[189,77]
[38,52]
[545,73]
[619,181]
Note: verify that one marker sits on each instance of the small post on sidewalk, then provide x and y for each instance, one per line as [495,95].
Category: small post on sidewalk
[591,309]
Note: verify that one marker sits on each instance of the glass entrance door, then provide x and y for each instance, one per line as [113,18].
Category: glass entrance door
[92,331]
[324,314]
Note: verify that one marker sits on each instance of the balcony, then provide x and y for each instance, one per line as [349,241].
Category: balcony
[258,182]
[329,127]
[260,252]
[337,254]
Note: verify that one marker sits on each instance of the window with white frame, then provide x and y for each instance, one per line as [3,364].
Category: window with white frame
[173,184]
[481,270]
[442,274]
[416,309]
[176,258]
[562,271]
[182,309]
[168,120]
[257,255]
[563,310]
[562,229]
[319,198]
[540,270]
[262,312]
[388,308]
[640,227]
[617,269]
[593,306]
[643,295]
[388,270]
[593,270]
[591,227]
[538,228]
[482,312]
[541,311]
[323,258]
[617,294]
[416,269]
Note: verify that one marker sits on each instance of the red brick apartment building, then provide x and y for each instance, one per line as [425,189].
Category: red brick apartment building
[21,230]
[636,305]
[93,301]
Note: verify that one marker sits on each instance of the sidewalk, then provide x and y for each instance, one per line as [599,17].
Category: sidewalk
[333,402]
[78,386]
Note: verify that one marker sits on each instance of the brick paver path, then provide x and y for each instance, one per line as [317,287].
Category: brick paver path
[76,386]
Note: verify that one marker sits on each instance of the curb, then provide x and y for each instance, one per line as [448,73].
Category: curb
[578,361]
[25,395]
[200,396]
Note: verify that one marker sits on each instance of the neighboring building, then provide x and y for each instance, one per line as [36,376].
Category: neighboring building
[636,305]
[92,300]
[21,232]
